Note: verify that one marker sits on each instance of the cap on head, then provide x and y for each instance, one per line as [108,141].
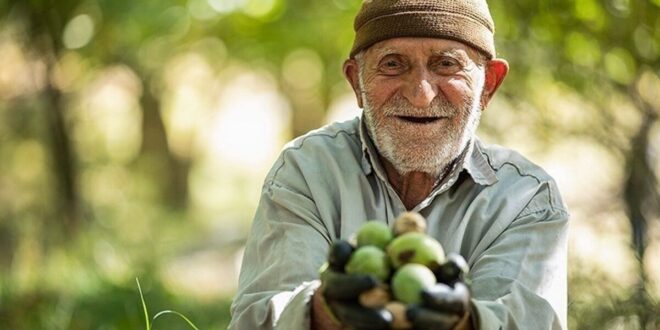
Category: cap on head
[467,21]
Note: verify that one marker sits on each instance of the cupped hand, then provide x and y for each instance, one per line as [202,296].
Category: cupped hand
[445,305]
[341,293]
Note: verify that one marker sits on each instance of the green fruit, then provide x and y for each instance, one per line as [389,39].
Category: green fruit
[409,222]
[415,248]
[409,281]
[369,260]
[374,233]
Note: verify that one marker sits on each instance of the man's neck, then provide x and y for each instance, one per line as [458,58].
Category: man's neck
[412,187]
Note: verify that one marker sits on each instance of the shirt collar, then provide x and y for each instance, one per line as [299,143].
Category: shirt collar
[474,160]
[477,165]
[369,153]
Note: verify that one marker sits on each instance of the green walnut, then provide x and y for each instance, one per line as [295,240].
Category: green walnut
[415,248]
[409,281]
[409,222]
[369,260]
[374,233]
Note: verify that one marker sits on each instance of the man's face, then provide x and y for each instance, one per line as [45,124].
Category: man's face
[421,100]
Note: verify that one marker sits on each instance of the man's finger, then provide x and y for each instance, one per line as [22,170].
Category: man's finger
[339,254]
[361,318]
[428,319]
[454,269]
[443,298]
[340,286]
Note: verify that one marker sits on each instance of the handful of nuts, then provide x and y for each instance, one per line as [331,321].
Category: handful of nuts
[403,260]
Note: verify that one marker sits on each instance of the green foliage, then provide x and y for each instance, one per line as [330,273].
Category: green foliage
[597,301]
[112,306]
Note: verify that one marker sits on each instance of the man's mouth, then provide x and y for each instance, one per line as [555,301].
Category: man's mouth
[419,120]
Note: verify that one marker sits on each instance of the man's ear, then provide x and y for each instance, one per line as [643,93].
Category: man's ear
[351,72]
[496,70]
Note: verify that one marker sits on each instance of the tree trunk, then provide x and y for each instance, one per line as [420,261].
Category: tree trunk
[172,173]
[640,196]
[62,155]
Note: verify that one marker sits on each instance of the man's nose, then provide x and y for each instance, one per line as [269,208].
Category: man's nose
[420,91]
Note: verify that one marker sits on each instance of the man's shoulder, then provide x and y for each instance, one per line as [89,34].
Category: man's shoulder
[327,136]
[516,174]
[506,161]
[320,153]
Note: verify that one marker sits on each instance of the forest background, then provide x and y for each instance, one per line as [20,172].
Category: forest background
[135,136]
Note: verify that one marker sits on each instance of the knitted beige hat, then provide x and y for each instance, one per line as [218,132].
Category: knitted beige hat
[467,21]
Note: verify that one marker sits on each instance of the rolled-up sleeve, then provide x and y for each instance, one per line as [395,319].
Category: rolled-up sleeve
[519,281]
[286,247]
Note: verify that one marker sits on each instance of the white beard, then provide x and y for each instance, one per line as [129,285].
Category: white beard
[428,148]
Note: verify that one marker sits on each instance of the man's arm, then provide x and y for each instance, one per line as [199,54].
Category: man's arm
[519,281]
[287,245]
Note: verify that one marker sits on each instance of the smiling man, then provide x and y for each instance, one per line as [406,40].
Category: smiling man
[423,71]
[422,101]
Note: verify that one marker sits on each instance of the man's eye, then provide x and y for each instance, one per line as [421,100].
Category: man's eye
[447,65]
[391,64]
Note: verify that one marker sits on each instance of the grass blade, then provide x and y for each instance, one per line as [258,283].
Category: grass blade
[144,305]
[192,325]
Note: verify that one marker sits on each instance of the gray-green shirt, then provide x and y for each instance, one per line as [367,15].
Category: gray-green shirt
[495,208]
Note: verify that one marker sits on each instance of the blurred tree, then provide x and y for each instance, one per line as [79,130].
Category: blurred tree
[302,42]
[105,33]
[608,52]
[40,25]
[129,27]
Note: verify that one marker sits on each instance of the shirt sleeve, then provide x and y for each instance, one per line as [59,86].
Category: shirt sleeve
[519,281]
[284,251]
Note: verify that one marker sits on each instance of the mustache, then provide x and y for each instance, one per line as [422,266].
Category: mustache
[399,106]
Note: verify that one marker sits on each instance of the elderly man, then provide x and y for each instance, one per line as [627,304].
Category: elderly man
[423,71]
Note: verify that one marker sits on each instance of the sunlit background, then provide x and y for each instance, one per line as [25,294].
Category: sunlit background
[135,136]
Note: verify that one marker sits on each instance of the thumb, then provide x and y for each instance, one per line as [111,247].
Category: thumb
[444,298]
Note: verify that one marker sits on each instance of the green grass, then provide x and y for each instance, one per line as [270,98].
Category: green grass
[161,313]
[110,306]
